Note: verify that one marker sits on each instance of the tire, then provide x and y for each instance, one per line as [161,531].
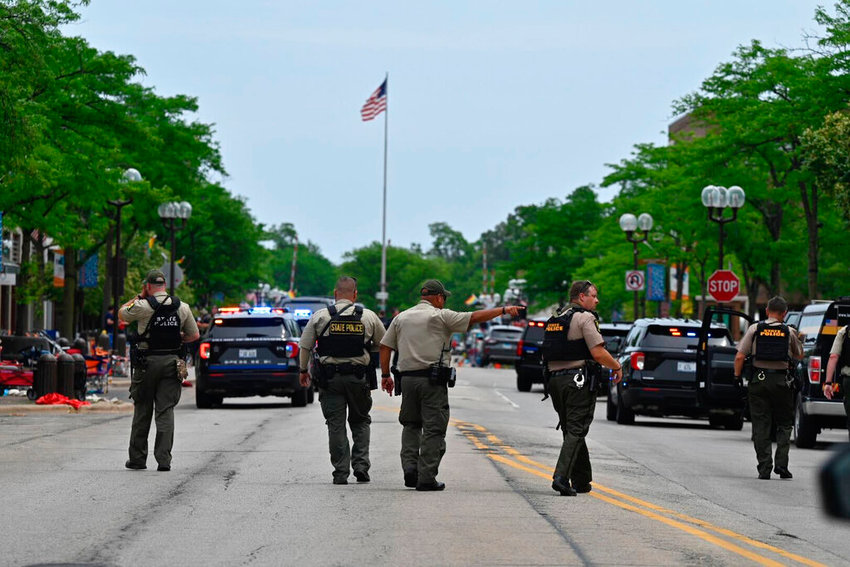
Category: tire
[734,422]
[485,360]
[299,398]
[202,399]
[523,382]
[31,394]
[610,408]
[624,416]
[805,430]
[716,421]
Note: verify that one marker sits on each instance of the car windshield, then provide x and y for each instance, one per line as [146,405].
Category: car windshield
[668,336]
[303,309]
[810,326]
[510,334]
[251,327]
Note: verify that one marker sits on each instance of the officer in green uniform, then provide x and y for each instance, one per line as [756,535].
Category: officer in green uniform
[421,336]
[574,376]
[839,359]
[164,324]
[773,345]
[343,336]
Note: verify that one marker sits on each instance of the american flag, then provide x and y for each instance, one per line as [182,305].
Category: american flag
[375,104]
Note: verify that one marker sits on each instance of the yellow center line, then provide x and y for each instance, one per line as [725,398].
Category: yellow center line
[513,462]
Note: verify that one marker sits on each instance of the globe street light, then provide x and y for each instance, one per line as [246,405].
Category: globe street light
[170,213]
[630,225]
[131,175]
[716,199]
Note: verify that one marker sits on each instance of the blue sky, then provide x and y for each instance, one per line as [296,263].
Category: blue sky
[491,104]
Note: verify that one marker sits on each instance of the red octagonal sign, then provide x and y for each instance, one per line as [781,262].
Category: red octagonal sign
[723,285]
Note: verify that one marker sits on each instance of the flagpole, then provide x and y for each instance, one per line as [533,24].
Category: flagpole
[383,298]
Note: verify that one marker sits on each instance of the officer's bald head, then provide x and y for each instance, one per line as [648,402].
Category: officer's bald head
[346,288]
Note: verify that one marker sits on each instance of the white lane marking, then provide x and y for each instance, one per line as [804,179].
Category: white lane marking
[504,397]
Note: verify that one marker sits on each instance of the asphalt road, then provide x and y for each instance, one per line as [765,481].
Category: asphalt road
[251,484]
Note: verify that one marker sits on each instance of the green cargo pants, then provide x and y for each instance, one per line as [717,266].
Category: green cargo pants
[347,392]
[771,401]
[575,407]
[155,390]
[425,417]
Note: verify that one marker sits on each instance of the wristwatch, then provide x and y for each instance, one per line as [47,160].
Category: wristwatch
[385,375]
[503,309]
[304,371]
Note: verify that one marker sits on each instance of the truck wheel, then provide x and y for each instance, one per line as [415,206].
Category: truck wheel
[805,430]
[610,408]
[734,422]
[523,382]
[299,398]
[625,416]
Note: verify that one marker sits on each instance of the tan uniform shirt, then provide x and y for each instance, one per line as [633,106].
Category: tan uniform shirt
[140,310]
[748,345]
[837,347]
[583,325]
[373,331]
[421,334]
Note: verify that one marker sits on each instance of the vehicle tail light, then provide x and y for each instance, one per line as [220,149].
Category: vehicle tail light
[205,350]
[636,361]
[490,341]
[519,346]
[291,349]
[814,369]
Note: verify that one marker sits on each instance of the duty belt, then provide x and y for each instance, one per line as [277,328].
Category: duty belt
[425,373]
[578,375]
[564,371]
[761,373]
[346,368]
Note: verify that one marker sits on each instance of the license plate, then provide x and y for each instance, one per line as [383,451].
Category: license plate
[686,366]
[250,353]
[507,345]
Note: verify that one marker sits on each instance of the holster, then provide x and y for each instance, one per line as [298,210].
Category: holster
[442,376]
[138,357]
[317,372]
[396,380]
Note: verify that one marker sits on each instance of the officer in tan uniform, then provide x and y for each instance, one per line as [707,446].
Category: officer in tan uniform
[164,324]
[839,361]
[421,336]
[770,391]
[343,336]
[573,369]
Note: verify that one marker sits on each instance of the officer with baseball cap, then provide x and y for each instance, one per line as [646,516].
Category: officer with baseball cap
[421,336]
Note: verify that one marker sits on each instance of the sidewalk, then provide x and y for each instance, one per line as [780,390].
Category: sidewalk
[115,401]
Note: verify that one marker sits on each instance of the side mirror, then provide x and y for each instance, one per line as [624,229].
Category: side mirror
[835,484]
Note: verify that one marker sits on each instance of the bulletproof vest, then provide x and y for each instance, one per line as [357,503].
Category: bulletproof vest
[555,343]
[844,357]
[163,331]
[771,342]
[346,335]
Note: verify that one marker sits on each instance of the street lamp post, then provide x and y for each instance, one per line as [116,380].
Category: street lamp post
[630,225]
[170,213]
[130,175]
[716,199]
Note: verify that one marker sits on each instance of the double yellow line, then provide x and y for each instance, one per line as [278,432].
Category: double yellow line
[500,452]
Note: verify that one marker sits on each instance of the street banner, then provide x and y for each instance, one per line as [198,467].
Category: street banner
[58,268]
[88,274]
[655,281]
[674,282]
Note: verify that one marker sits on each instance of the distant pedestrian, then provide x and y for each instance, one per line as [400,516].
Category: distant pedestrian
[421,336]
[775,349]
[574,351]
[344,335]
[164,324]
[109,324]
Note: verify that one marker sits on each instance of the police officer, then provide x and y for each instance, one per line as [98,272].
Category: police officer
[574,376]
[421,336]
[839,358]
[773,345]
[164,324]
[343,336]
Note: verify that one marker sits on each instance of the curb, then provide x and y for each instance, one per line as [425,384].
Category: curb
[99,407]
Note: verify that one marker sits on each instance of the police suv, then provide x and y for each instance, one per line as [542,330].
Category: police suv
[660,359]
[249,352]
[819,323]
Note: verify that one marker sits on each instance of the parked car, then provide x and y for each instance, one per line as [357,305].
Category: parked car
[250,352]
[659,359]
[813,413]
[614,333]
[500,344]
[529,365]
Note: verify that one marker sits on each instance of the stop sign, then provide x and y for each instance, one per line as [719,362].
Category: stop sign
[723,285]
